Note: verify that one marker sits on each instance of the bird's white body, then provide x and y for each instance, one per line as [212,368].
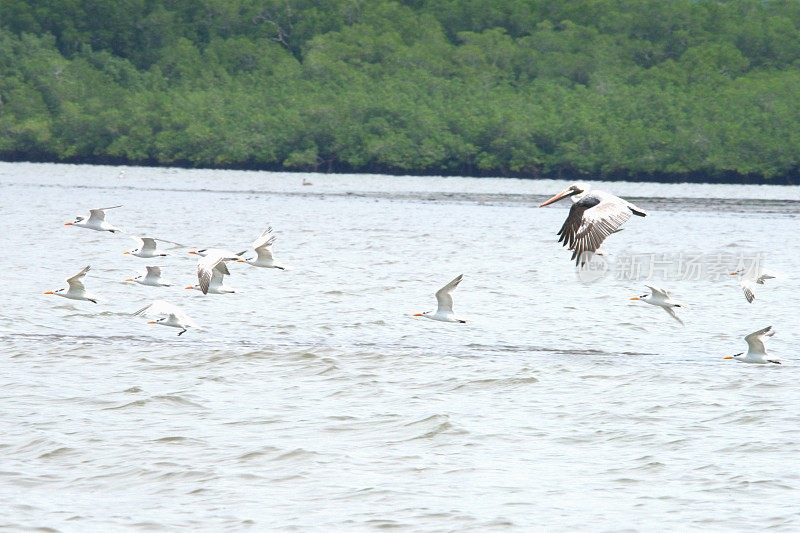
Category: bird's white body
[748,279]
[169,315]
[146,249]
[660,298]
[96,220]
[444,299]
[263,248]
[151,278]
[594,216]
[75,289]
[756,348]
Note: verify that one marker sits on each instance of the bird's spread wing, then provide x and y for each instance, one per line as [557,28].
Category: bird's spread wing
[76,281]
[148,243]
[263,238]
[154,271]
[444,297]
[265,250]
[99,214]
[671,313]
[764,276]
[204,273]
[656,290]
[222,269]
[591,219]
[747,288]
[142,311]
[755,341]
[177,244]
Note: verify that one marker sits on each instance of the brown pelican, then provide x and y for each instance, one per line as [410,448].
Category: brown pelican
[593,216]
[756,350]
[444,299]
[96,220]
[662,299]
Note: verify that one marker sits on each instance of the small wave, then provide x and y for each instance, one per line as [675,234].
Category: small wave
[165,399]
[58,452]
[297,453]
[491,383]
[261,452]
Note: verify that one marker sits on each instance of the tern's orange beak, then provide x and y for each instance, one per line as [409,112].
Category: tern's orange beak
[151,321]
[126,253]
[69,223]
[418,314]
[193,252]
[732,273]
[189,287]
[240,260]
[728,357]
[634,298]
[48,292]
[128,279]
[555,198]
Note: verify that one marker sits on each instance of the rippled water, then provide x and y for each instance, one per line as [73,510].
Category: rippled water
[312,400]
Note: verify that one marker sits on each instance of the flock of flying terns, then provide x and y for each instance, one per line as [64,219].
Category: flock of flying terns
[593,216]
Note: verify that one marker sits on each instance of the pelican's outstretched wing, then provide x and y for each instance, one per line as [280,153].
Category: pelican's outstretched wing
[591,219]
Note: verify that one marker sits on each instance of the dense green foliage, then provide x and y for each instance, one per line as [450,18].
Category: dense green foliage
[697,89]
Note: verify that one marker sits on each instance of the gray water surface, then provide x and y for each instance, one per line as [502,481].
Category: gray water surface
[313,400]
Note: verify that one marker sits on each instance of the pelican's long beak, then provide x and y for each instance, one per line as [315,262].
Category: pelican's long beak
[48,292]
[728,357]
[634,298]
[557,197]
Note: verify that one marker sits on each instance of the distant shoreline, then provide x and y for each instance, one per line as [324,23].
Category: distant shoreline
[716,178]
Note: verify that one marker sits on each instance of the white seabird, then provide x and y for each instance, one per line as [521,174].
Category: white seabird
[169,315]
[75,289]
[748,279]
[146,249]
[96,220]
[151,277]
[756,349]
[592,217]
[444,299]
[263,248]
[662,299]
